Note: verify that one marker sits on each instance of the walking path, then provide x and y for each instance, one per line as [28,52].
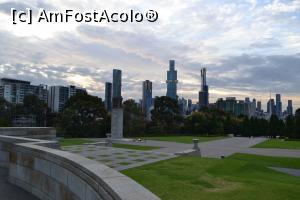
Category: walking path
[292,172]
[218,148]
[11,192]
[121,159]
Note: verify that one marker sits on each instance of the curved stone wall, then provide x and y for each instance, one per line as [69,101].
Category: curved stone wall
[29,132]
[54,174]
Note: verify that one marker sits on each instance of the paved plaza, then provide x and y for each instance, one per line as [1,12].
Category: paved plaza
[222,147]
[118,158]
[121,159]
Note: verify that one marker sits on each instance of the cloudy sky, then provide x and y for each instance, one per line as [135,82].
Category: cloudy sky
[249,47]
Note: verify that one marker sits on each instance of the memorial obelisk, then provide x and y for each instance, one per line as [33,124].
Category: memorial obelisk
[117,110]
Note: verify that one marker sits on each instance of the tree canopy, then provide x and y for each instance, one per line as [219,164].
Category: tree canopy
[84,116]
[134,122]
[166,115]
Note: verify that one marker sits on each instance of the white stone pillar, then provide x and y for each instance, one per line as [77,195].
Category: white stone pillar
[117,123]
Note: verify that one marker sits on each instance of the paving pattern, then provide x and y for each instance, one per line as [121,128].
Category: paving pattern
[118,158]
[121,159]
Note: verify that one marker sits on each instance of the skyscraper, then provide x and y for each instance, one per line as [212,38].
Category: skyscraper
[117,77]
[290,107]
[172,80]
[271,109]
[278,105]
[147,99]
[183,106]
[117,85]
[189,106]
[259,106]
[203,94]
[253,108]
[108,98]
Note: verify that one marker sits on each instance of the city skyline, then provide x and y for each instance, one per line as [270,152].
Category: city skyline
[277,106]
[244,46]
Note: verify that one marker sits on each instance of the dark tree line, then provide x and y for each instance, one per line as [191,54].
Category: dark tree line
[85,116]
[212,122]
[32,106]
[166,119]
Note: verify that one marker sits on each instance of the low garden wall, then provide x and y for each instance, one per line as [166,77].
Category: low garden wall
[54,174]
[29,132]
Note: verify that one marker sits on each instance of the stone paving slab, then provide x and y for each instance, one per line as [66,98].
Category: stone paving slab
[118,158]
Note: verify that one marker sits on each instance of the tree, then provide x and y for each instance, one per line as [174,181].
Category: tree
[134,122]
[207,122]
[195,123]
[290,126]
[297,123]
[84,116]
[246,127]
[32,105]
[276,126]
[166,115]
[5,113]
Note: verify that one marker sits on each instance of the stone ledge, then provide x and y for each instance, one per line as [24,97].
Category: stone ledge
[91,180]
[31,132]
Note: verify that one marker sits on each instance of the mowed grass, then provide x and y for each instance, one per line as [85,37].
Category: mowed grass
[185,139]
[279,144]
[74,141]
[237,177]
[135,147]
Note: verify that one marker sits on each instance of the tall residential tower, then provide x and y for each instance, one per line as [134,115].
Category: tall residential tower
[108,98]
[278,105]
[14,91]
[172,80]
[147,99]
[59,95]
[117,85]
[203,94]
[290,107]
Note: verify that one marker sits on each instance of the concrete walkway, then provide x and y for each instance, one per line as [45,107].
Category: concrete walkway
[11,192]
[292,172]
[218,148]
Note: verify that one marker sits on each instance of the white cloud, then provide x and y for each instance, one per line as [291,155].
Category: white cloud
[194,33]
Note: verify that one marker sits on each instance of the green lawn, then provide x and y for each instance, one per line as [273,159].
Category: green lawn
[75,141]
[184,139]
[135,147]
[238,177]
[279,144]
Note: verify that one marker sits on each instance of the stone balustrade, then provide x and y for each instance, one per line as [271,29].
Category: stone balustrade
[54,174]
[29,132]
